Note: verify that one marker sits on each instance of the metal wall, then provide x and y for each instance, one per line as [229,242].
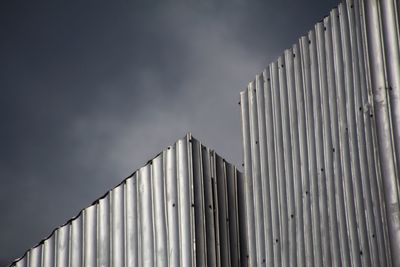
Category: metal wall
[321,139]
[181,209]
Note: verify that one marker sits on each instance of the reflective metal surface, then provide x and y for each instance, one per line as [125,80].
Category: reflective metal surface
[182,209]
[321,144]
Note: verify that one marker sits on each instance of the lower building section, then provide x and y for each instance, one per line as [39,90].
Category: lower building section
[182,208]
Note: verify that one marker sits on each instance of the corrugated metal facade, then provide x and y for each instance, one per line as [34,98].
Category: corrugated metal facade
[181,209]
[321,139]
[321,133]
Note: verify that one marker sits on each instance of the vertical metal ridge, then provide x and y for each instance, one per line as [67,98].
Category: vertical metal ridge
[296,161]
[319,140]
[159,211]
[251,246]
[209,213]
[132,247]
[287,155]
[242,220]
[233,213]
[256,174]
[184,203]
[282,199]
[200,204]
[264,169]
[172,210]
[35,257]
[307,81]
[223,216]
[272,168]
[146,217]
[331,210]
[48,252]
[62,246]
[216,212]
[189,139]
[117,226]
[22,262]
[303,150]
[90,236]
[103,248]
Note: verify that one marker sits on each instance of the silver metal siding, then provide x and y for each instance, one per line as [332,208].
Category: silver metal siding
[326,141]
[183,208]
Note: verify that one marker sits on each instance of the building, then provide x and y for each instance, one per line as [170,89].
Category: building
[321,143]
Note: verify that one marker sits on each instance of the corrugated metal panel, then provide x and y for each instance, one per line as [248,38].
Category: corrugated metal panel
[182,209]
[321,137]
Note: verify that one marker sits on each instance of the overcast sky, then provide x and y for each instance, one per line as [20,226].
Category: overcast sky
[93,89]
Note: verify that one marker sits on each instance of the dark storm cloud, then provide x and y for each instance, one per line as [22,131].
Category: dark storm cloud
[90,90]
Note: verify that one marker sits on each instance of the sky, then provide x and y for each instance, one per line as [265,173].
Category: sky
[91,90]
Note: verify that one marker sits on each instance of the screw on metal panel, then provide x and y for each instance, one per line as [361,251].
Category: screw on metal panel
[173,204]
[291,216]
[373,236]
[276,240]
[322,169]
[256,142]
[306,192]
[282,65]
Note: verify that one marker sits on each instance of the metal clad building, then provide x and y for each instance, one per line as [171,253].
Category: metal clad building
[181,209]
[321,139]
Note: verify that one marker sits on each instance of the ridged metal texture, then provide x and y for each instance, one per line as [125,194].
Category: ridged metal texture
[321,144]
[181,209]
